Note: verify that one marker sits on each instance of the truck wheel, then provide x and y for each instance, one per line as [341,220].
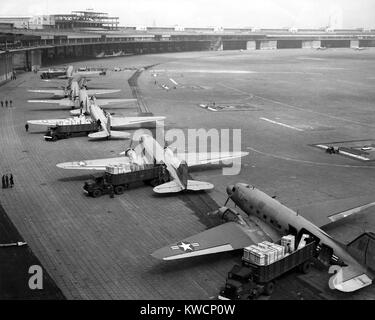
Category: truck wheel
[305,267]
[97,193]
[268,288]
[119,190]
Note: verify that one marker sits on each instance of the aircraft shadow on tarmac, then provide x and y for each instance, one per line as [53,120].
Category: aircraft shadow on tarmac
[78,178]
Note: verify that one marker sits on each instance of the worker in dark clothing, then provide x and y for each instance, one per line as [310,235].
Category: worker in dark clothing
[6,103]
[11,180]
[27,127]
[6,181]
[10,102]
[98,122]
[3,181]
[2,103]
[111,192]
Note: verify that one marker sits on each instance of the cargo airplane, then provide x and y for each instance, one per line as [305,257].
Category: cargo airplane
[268,220]
[67,73]
[72,90]
[104,120]
[151,152]
[79,99]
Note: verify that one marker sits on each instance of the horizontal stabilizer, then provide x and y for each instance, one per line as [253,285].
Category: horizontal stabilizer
[113,134]
[348,280]
[169,187]
[99,135]
[97,164]
[194,185]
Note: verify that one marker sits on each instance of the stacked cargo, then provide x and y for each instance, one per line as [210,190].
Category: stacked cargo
[264,253]
[289,243]
[118,169]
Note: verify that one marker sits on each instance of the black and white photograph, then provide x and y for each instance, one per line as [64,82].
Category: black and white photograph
[208,151]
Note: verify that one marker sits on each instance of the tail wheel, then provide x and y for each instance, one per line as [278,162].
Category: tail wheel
[269,287]
[119,190]
[305,267]
[97,193]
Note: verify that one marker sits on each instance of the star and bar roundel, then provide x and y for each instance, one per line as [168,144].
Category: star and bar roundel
[185,246]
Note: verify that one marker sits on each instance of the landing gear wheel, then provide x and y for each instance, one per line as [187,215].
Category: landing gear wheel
[269,288]
[119,190]
[305,267]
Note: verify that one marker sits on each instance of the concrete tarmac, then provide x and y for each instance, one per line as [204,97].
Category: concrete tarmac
[100,248]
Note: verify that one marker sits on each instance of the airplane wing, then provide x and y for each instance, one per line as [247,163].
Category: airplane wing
[56,92]
[195,159]
[63,102]
[125,121]
[98,164]
[105,102]
[94,92]
[226,237]
[324,213]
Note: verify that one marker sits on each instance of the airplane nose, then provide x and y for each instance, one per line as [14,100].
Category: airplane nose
[230,189]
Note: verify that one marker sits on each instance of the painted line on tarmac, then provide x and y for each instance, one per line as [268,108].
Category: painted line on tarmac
[300,108]
[280,124]
[352,155]
[307,162]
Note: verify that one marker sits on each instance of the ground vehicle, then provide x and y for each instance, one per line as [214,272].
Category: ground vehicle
[150,173]
[249,281]
[66,131]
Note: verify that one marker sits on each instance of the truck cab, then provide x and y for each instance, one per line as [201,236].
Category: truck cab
[240,285]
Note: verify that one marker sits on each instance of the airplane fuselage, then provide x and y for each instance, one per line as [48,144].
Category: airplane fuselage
[256,203]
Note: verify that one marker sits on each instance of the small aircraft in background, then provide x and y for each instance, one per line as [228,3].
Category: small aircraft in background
[104,120]
[321,48]
[358,48]
[268,220]
[150,152]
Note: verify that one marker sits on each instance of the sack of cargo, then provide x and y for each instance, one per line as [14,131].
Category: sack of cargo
[289,243]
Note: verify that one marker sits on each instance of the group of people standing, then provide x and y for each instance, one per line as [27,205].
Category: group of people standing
[6,103]
[7,181]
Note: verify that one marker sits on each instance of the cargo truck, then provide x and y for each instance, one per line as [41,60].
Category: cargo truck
[250,280]
[69,130]
[149,173]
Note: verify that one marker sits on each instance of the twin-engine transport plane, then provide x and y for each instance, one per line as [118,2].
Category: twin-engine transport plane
[151,152]
[70,73]
[79,99]
[105,121]
[269,220]
[72,90]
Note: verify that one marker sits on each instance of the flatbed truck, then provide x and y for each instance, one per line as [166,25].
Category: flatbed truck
[150,174]
[66,131]
[249,280]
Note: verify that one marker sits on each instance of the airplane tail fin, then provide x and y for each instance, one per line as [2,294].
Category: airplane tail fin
[363,249]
